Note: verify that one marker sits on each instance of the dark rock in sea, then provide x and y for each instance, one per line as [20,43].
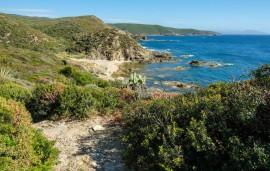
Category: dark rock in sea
[144,38]
[198,63]
[139,37]
[162,57]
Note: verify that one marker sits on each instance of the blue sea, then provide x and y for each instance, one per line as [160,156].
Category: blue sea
[236,55]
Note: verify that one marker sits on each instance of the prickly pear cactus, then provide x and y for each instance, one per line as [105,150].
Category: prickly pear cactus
[135,81]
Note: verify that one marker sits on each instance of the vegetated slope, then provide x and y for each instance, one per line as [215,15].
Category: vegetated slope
[26,53]
[13,33]
[94,38]
[30,45]
[68,28]
[160,30]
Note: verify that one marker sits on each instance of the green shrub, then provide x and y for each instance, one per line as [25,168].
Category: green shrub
[53,101]
[107,100]
[14,91]
[102,83]
[83,78]
[147,130]
[79,77]
[222,127]
[262,75]
[22,147]
[45,100]
[75,102]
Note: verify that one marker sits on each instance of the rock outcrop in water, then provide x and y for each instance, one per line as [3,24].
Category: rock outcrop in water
[198,63]
[209,64]
[139,37]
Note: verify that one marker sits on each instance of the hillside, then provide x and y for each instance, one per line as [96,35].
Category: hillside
[34,48]
[160,30]
[14,33]
[48,33]
[67,28]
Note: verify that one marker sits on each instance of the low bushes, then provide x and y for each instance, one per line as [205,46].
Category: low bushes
[221,127]
[54,101]
[14,91]
[22,147]
[60,101]
[75,102]
[107,100]
[83,78]
[262,75]
[45,100]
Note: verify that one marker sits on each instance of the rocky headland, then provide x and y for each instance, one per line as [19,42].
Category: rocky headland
[112,44]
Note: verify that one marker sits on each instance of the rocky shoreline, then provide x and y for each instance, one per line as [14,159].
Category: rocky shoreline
[109,69]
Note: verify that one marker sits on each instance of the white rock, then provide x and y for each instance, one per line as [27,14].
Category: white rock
[94,163]
[98,128]
[120,79]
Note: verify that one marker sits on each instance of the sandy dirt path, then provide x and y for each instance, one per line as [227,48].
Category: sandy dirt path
[88,145]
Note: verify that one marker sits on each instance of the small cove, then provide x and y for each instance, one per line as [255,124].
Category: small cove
[233,57]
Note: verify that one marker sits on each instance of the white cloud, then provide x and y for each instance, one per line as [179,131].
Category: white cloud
[29,12]
[39,15]
[121,20]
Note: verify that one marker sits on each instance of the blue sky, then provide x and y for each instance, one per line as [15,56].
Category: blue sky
[199,14]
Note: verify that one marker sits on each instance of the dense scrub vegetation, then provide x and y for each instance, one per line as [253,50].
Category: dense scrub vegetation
[83,78]
[14,91]
[22,147]
[15,34]
[224,126]
[84,96]
[60,101]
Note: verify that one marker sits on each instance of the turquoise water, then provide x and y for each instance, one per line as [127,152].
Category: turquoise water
[237,55]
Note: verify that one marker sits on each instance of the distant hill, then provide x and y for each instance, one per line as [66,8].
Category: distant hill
[160,30]
[245,32]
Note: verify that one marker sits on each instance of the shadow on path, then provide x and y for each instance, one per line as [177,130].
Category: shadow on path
[104,148]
